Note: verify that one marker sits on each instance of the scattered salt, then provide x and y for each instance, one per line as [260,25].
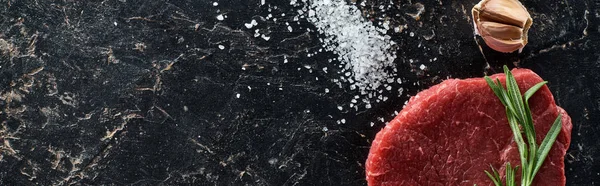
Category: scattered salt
[364,48]
[365,53]
[221,47]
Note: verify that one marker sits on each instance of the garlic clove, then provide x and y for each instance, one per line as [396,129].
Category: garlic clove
[510,12]
[503,45]
[501,31]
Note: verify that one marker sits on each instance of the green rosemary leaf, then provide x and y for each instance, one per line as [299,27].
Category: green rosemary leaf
[510,175]
[547,143]
[503,94]
[494,176]
[534,89]
[528,95]
[514,94]
[528,115]
[514,126]
[497,90]
[494,179]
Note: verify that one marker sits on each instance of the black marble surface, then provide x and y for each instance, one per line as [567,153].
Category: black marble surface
[131,92]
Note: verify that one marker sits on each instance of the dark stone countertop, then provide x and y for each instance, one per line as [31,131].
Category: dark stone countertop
[131,92]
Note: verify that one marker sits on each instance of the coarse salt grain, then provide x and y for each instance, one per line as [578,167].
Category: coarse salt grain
[251,24]
[266,38]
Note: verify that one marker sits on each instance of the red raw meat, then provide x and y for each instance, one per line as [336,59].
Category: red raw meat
[450,133]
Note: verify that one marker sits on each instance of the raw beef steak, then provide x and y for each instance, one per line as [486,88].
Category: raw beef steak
[450,133]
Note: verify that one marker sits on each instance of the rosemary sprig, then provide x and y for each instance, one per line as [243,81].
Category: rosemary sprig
[521,123]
